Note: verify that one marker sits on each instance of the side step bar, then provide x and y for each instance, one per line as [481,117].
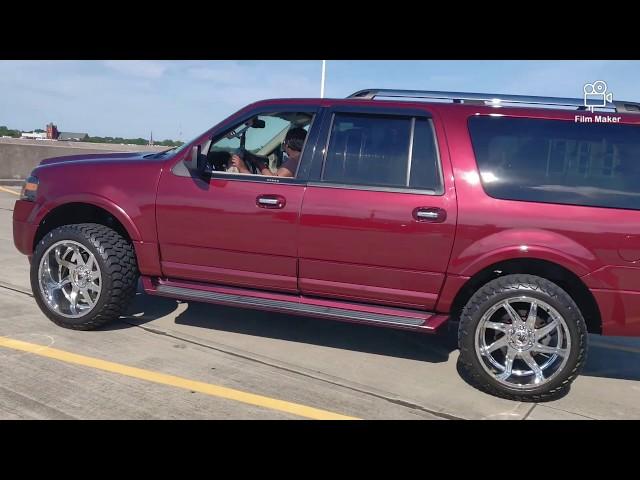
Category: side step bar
[429,323]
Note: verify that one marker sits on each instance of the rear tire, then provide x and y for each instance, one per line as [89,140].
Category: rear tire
[83,275]
[522,337]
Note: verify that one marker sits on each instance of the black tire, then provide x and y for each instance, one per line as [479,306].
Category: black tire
[117,261]
[535,287]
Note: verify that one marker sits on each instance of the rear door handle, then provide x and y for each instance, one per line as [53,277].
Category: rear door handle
[430,214]
[271,201]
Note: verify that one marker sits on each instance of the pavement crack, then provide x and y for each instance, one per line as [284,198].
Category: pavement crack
[30,405]
[570,413]
[395,401]
[529,412]
[15,288]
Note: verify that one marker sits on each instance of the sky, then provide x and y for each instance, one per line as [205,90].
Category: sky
[179,99]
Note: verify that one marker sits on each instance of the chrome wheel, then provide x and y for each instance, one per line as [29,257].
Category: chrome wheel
[522,342]
[70,279]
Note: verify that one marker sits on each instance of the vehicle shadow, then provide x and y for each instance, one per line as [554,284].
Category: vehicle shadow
[613,357]
[300,329]
[608,357]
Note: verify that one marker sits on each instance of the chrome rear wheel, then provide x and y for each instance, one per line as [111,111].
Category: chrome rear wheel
[523,342]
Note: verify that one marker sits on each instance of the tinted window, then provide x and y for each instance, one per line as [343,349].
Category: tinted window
[374,151]
[425,169]
[557,161]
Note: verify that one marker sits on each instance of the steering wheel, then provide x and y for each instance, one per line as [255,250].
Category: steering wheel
[251,161]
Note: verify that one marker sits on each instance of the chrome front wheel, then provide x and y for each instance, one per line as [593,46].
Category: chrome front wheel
[70,279]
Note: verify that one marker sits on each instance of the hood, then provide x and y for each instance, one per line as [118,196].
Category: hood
[125,156]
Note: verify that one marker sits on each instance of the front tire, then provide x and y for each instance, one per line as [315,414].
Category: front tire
[522,337]
[83,275]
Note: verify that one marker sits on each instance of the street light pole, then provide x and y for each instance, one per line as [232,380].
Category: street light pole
[324,66]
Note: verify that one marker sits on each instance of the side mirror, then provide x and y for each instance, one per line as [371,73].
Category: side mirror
[197,162]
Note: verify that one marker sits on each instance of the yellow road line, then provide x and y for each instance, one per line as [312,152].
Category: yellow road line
[9,191]
[164,379]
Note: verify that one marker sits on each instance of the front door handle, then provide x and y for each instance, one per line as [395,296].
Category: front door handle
[271,201]
[430,214]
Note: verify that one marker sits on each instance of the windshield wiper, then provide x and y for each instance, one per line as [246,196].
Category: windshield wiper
[159,154]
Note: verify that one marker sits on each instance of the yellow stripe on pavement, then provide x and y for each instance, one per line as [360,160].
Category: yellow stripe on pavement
[9,191]
[164,379]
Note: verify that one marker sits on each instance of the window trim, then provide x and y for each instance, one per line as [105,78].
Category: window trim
[409,113]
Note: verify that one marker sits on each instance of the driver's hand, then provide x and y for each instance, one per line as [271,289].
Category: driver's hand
[237,162]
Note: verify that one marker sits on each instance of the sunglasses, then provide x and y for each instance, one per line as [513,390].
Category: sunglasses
[285,145]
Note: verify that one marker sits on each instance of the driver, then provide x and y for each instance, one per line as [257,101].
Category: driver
[292,146]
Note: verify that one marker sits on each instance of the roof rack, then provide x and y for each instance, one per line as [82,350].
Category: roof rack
[492,99]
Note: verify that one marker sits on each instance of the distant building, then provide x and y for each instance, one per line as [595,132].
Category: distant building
[77,137]
[34,135]
[52,132]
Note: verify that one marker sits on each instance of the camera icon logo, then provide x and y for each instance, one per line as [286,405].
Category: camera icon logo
[596,95]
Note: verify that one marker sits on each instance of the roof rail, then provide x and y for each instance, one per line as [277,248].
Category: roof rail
[492,98]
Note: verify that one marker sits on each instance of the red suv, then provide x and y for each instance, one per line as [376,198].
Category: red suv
[518,217]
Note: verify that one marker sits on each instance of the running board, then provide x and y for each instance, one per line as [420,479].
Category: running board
[429,323]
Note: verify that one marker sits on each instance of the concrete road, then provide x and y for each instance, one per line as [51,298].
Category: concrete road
[173,359]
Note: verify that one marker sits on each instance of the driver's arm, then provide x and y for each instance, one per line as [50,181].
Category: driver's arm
[237,162]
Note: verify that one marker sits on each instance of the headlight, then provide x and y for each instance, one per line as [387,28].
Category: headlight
[29,189]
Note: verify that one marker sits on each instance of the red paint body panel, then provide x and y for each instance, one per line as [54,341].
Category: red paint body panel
[123,185]
[215,232]
[345,233]
[347,244]
[148,259]
[393,286]
[620,312]
[451,287]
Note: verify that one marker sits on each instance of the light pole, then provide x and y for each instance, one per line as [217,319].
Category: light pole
[324,66]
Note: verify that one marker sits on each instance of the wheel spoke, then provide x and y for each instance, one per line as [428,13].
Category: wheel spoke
[87,297]
[501,327]
[512,353]
[515,318]
[73,300]
[538,348]
[93,286]
[61,284]
[90,263]
[77,256]
[529,360]
[533,315]
[546,330]
[501,342]
[62,262]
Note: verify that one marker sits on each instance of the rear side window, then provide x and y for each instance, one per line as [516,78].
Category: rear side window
[384,151]
[556,161]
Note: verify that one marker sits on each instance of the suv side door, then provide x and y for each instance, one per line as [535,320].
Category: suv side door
[233,229]
[379,214]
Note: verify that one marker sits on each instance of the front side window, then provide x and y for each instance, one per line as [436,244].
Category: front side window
[557,161]
[268,145]
[384,151]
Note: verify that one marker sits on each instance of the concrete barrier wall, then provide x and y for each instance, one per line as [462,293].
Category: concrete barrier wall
[19,157]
